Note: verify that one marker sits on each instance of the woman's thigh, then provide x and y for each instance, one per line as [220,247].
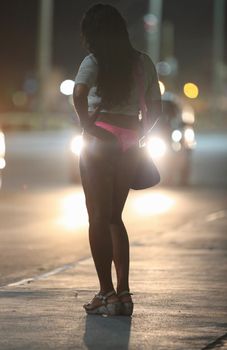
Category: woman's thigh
[97,163]
[123,177]
[106,175]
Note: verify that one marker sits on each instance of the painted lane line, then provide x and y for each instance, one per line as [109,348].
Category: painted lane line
[40,277]
[47,274]
[217,215]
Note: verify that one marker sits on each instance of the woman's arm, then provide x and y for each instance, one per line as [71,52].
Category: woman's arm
[80,94]
[84,81]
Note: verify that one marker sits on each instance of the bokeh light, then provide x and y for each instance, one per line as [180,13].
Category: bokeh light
[77,144]
[176,135]
[188,115]
[156,147]
[66,87]
[191,90]
[189,136]
[162,87]
[150,22]
[163,68]
[2,163]
[2,144]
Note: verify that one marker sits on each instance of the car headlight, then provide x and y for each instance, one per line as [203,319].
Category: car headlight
[176,135]
[2,163]
[189,137]
[188,115]
[2,144]
[156,147]
[77,145]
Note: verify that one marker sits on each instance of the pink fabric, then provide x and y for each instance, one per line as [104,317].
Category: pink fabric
[126,137]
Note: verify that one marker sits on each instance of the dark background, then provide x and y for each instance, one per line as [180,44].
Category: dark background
[192,22]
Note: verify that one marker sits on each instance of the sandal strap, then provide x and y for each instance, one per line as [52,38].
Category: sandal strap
[104,297]
[125,292]
[109,294]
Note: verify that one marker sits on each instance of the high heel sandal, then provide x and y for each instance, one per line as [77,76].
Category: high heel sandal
[105,307]
[126,303]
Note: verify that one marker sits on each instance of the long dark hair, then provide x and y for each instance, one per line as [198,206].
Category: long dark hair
[104,33]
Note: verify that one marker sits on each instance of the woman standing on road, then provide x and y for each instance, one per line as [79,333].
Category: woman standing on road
[106,100]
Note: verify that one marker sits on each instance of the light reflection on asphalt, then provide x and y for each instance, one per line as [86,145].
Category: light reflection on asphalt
[152,203]
[73,213]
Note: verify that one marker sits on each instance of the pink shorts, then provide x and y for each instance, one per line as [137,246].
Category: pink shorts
[126,137]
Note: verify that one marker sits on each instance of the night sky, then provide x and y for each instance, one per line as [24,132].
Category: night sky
[192,22]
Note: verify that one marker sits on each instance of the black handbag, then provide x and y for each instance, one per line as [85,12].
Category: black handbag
[146,173]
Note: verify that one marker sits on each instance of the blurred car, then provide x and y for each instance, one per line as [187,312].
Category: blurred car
[2,151]
[170,142]
[75,147]
[173,139]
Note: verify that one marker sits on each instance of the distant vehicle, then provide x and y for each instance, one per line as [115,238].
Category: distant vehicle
[173,140]
[170,144]
[75,147]
[2,151]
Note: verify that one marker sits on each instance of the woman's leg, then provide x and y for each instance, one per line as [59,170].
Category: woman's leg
[123,177]
[96,166]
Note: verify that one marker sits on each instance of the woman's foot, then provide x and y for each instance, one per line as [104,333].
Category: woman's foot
[126,303]
[104,304]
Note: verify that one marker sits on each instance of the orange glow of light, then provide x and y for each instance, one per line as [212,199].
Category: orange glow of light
[73,214]
[152,203]
[191,90]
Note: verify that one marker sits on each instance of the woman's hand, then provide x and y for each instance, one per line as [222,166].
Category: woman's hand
[92,116]
[80,94]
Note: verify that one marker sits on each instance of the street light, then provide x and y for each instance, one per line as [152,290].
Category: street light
[44,51]
[191,90]
[153,35]
[162,87]
[66,87]
[218,52]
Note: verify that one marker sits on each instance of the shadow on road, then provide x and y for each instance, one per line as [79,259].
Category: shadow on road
[114,331]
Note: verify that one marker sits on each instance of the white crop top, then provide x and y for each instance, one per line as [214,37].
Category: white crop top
[87,74]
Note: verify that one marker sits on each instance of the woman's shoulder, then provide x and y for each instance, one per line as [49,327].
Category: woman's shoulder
[89,60]
[87,72]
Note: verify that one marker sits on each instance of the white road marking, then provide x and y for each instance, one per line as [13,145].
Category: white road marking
[217,215]
[46,274]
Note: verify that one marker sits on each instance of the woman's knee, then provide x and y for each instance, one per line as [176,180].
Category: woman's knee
[102,220]
[116,219]
[99,220]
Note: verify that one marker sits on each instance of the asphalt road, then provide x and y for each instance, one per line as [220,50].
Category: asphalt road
[178,255]
[43,218]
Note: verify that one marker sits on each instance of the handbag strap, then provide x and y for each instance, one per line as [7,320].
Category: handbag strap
[140,79]
[139,74]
